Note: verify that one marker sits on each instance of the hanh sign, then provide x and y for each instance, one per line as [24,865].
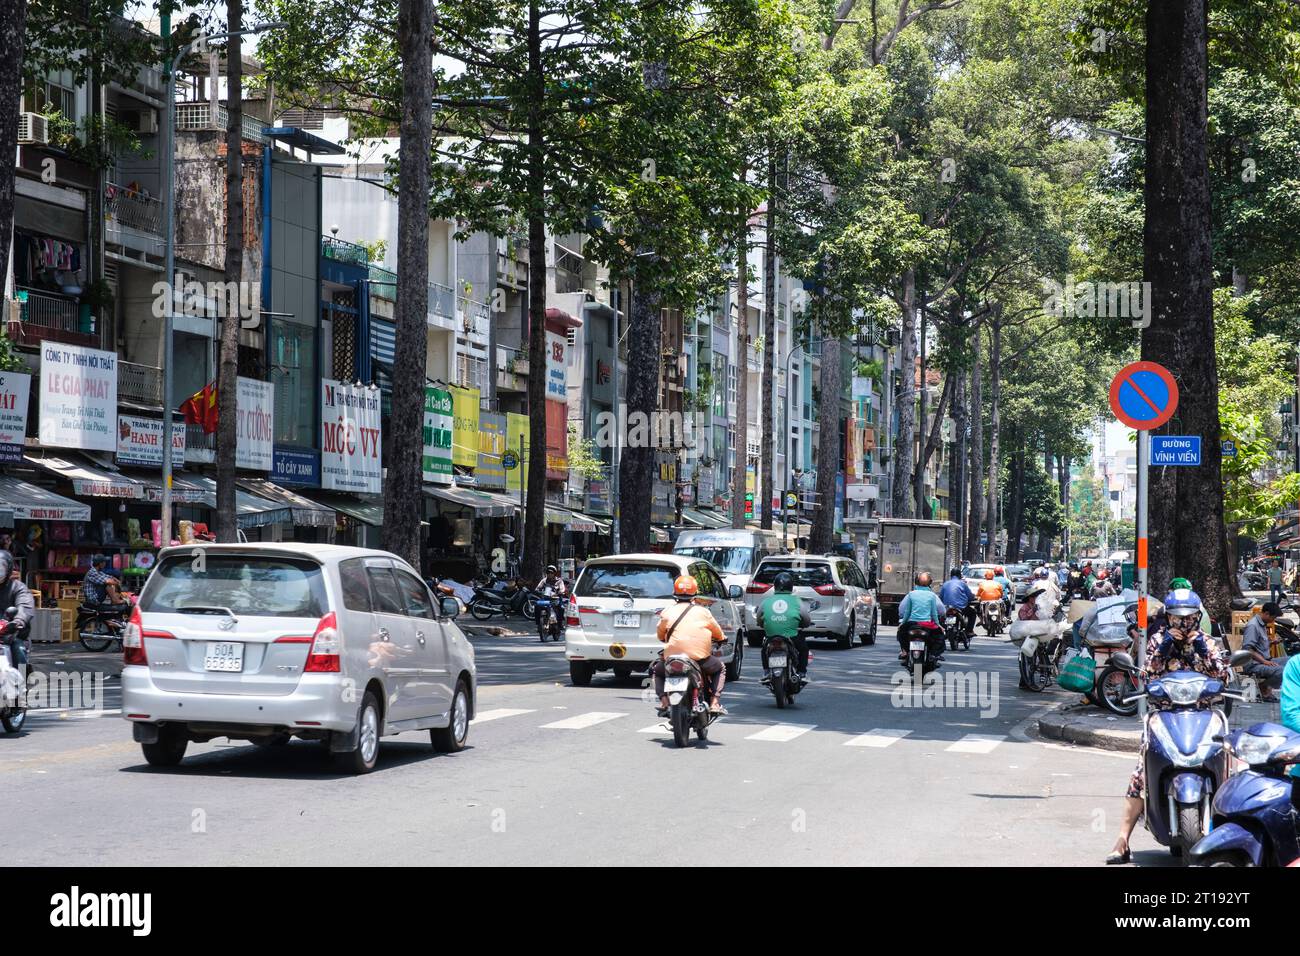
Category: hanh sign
[1144,395]
[254,425]
[15,391]
[78,400]
[1175,449]
[351,436]
[140,441]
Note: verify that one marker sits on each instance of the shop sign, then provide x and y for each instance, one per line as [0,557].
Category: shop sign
[254,425]
[351,437]
[140,442]
[78,398]
[438,419]
[295,466]
[15,390]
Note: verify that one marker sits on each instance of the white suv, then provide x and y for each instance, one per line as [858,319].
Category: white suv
[834,590]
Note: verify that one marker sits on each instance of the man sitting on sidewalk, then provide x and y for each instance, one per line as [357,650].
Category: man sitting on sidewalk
[1263,668]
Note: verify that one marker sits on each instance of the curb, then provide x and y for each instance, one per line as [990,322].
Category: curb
[1084,731]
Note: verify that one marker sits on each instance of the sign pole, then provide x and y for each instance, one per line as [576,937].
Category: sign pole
[1143,467]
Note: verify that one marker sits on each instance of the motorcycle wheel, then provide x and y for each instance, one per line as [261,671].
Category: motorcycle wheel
[778,691]
[1032,674]
[480,610]
[1189,829]
[97,643]
[1112,687]
[13,721]
[530,609]
[680,717]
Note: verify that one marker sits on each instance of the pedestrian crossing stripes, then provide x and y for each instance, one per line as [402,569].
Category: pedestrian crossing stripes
[782,733]
[976,744]
[582,721]
[497,714]
[878,737]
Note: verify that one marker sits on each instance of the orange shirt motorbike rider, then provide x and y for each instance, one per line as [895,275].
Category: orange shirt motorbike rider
[989,591]
[695,633]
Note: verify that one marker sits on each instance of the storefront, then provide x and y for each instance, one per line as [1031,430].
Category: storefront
[28,518]
[460,539]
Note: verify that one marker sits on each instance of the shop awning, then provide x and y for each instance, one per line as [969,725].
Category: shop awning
[6,518]
[184,491]
[34,503]
[307,513]
[251,511]
[660,535]
[89,479]
[368,509]
[485,504]
[575,520]
[704,519]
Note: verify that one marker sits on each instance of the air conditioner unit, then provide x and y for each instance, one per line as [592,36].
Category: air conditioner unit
[33,129]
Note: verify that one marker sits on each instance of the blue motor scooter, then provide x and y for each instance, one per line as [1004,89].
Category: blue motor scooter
[1185,760]
[1256,813]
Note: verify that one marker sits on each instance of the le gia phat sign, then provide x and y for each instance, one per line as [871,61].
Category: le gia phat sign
[351,435]
[15,387]
[254,425]
[78,402]
[140,441]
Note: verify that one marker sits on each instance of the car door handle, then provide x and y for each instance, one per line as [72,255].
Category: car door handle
[419,636]
[383,633]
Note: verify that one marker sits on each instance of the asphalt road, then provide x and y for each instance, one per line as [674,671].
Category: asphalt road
[556,774]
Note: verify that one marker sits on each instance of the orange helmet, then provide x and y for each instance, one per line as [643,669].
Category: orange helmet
[1101,575]
[988,575]
[1000,570]
[685,587]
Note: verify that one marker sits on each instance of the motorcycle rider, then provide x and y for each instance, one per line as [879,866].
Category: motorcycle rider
[989,589]
[1076,582]
[1180,646]
[13,593]
[1103,587]
[690,629]
[919,606]
[1008,589]
[784,615]
[956,593]
[552,586]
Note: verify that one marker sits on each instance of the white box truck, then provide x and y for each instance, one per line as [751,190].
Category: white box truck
[909,545]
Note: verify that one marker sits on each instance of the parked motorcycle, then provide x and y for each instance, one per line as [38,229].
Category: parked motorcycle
[954,629]
[1042,647]
[489,602]
[101,626]
[13,683]
[780,675]
[921,643]
[1185,760]
[1287,631]
[1255,814]
[991,617]
[688,704]
[550,617]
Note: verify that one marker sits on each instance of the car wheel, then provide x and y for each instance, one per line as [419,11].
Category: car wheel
[737,658]
[846,639]
[451,739]
[580,672]
[754,638]
[168,750]
[366,755]
[622,672]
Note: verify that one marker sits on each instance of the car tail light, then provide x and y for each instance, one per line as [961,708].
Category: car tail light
[676,667]
[323,658]
[133,636]
[829,590]
[572,619]
[756,588]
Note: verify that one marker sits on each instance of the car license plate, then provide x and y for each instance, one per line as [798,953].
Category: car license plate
[224,656]
[776,660]
[916,646]
[676,683]
[624,619]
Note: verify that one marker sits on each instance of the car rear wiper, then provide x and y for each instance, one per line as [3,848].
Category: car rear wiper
[206,609]
[611,589]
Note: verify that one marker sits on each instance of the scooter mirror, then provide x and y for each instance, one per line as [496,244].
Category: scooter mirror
[1240,658]
[1122,660]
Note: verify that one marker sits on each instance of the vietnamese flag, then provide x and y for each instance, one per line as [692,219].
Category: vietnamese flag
[201,408]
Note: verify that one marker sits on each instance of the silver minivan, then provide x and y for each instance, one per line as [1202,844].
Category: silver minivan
[266,642]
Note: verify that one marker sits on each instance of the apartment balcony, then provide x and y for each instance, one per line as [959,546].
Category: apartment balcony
[475,316]
[141,384]
[198,446]
[442,301]
[341,251]
[200,116]
[48,316]
[383,283]
[133,209]
[471,373]
[512,370]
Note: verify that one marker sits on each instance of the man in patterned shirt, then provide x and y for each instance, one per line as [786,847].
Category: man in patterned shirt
[98,586]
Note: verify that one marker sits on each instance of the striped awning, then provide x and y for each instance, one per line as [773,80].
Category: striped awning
[22,499]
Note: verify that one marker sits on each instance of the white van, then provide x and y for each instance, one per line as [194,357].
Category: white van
[733,552]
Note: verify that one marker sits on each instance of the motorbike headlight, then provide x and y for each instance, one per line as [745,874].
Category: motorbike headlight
[1184,692]
[1254,750]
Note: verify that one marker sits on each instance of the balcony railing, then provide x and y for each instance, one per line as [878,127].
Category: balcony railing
[383,283]
[512,369]
[196,116]
[56,318]
[442,300]
[139,383]
[127,207]
[198,446]
[341,251]
[471,372]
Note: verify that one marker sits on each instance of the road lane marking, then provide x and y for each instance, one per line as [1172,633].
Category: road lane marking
[582,721]
[877,737]
[498,714]
[781,733]
[655,728]
[976,744]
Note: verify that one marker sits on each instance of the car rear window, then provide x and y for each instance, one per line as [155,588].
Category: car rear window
[627,580]
[806,574]
[253,585]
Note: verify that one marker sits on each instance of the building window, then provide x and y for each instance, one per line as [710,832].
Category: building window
[731,388]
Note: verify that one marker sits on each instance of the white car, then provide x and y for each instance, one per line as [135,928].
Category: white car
[834,590]
[735,553]
[264,642]
[613,613]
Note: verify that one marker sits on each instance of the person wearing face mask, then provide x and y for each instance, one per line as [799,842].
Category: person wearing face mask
[13,593]
[1180,646]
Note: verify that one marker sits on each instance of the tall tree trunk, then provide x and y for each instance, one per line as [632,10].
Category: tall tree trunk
[741,471]
[995,428]
[976,452]
[13,24]
[1063,482]
[533,547]
[960,453]
[228,350]
[637,466]
[1045,539]
[1186,529]
[918,473]
[1016,519]
[768,425]
[906,437]
[403,497]
[828,445]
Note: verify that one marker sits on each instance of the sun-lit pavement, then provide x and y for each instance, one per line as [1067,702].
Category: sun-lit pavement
[558,774]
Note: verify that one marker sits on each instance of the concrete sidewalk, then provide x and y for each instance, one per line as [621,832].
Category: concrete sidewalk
[1090,726]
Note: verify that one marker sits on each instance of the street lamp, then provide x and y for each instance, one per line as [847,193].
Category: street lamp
[169,267]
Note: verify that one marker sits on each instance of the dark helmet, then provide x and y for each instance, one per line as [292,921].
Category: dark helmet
[955,573]
[784,582]
[923,579]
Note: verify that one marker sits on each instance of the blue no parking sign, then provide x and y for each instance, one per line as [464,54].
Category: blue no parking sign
[1144,395]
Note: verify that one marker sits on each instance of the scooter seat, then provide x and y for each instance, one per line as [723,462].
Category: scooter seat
[1242,603]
